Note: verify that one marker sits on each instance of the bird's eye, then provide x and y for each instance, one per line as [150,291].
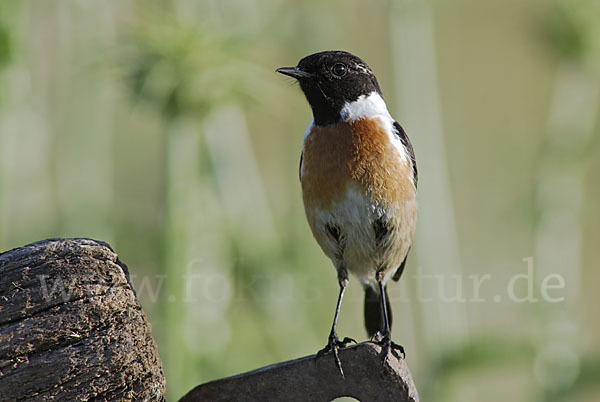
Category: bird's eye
[339,70]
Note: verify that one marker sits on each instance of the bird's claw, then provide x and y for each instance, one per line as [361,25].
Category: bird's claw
[333,345]
[344,342]
[387,347]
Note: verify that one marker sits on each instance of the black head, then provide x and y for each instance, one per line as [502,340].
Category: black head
[330,80]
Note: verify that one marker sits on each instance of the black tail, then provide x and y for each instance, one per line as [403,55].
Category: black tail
[373,311]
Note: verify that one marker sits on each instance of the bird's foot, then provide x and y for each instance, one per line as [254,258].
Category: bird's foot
[387,346]
[333,345]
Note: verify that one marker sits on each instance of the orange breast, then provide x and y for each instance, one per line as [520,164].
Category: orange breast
[359,154]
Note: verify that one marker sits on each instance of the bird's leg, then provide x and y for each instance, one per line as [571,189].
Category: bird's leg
[333,343]
[386,334]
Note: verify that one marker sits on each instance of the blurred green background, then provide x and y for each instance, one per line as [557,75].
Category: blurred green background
[161,127]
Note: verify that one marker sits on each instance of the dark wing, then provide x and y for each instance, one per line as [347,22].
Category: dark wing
[399,131]
[401,134]
[398,272]
[300,167]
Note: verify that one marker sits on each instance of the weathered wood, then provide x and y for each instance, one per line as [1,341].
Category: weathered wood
[309,378]
[71,327]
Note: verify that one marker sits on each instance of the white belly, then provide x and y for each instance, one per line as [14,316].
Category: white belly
[355,215]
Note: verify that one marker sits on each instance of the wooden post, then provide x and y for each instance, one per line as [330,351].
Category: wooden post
[366,378]
[71,327]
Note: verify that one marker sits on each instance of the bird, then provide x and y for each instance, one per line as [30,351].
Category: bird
[358,176]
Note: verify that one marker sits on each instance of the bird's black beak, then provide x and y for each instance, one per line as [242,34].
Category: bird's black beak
[294,72]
